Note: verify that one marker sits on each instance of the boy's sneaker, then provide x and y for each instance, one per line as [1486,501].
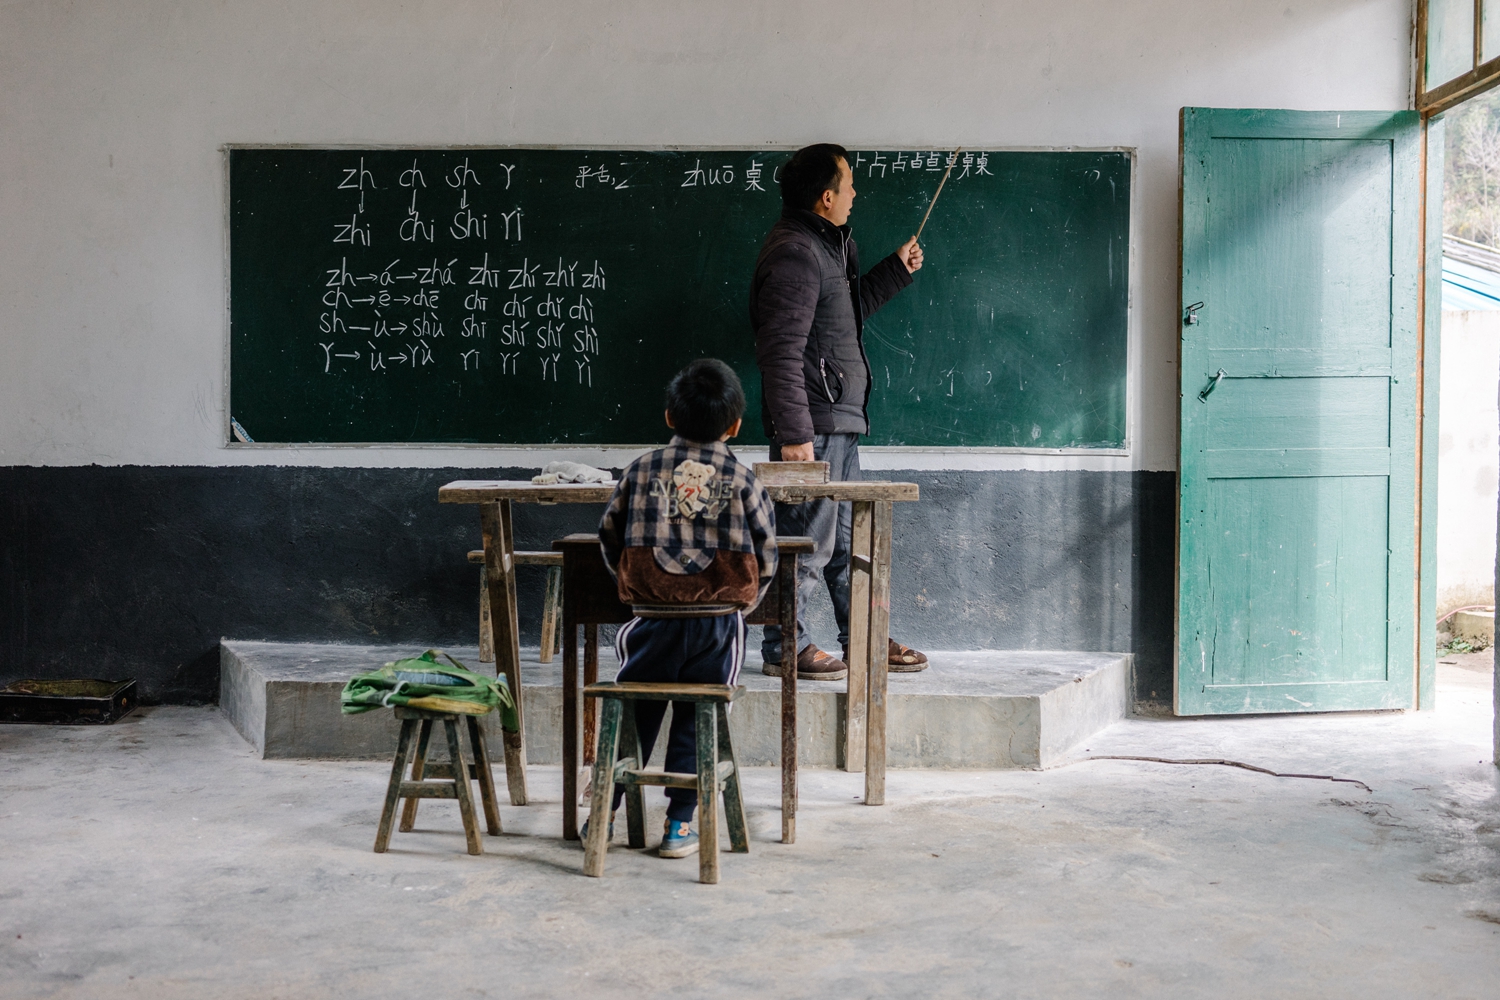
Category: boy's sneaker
[679,840]
[583,832]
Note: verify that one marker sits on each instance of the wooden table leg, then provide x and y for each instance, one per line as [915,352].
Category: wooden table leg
[788,612]
[500,575]
[880,630]
[859,637]
[486,633]
[590,705]
[551,614]
[570,748]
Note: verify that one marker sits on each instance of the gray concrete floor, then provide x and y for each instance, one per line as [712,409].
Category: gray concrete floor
[158,858]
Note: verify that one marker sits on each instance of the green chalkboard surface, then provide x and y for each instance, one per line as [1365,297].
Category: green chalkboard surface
[532,296]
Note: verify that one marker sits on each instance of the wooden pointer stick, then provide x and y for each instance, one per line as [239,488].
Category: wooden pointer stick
[951,160]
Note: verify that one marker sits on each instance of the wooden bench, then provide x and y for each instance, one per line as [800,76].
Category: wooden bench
[591,598]
[551,602]
[621,760]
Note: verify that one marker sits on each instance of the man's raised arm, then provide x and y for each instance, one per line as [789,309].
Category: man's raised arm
[889,275]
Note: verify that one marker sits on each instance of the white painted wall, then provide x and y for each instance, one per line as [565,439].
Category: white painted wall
[1468,446]
[112,114]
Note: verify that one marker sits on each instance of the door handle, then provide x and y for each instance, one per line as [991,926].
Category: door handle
[1212,385]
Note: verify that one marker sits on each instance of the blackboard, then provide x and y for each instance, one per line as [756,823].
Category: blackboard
[535,296]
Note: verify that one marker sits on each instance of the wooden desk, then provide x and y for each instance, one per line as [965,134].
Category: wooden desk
[591,598]
[869,601]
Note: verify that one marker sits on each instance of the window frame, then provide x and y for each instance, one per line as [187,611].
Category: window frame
[1480,77]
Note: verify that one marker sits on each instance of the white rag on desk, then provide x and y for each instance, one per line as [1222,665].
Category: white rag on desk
[570,472]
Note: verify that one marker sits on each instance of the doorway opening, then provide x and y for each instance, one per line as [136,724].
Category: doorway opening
[1468,388]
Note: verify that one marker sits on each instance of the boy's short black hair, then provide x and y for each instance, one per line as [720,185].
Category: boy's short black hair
[811,171]
[704,400]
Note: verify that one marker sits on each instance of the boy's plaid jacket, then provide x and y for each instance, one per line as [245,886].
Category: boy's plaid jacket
[690,533]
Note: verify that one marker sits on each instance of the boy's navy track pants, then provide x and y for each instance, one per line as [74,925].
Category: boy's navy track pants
[677,651]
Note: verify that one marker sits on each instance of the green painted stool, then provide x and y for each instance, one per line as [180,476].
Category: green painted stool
[453,777]
[619,762]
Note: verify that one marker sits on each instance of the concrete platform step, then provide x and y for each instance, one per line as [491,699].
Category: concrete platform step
[967,710]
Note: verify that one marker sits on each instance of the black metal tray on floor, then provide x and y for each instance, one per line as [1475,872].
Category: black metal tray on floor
[67,702]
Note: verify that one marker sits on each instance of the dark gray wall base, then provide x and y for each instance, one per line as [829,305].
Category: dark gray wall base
[139,571]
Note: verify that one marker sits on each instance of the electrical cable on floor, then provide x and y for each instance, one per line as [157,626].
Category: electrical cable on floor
[1235,763]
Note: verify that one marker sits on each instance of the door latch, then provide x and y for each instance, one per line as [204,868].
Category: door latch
[1212,385]
[1191,319]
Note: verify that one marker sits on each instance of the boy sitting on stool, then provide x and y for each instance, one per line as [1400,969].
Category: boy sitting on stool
[690,537]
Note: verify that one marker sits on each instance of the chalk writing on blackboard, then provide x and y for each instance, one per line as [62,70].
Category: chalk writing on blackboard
[698,176]
[361,305]
[553,325]
[388,314]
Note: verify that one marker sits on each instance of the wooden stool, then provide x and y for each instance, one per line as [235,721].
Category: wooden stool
[717,768]
[455,776]
[551,602]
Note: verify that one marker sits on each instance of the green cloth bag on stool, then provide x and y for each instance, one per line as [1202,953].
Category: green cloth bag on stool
[422,682]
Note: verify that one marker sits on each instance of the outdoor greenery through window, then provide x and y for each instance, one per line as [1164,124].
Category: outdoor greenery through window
[1471,181]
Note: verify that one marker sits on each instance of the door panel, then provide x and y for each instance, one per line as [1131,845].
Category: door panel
[1295,529]
[1283,210]
[1303,599]
[1291,412]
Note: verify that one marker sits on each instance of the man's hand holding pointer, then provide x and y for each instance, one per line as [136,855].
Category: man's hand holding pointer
[911,255]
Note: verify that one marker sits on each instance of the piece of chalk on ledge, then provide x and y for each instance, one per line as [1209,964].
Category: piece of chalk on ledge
[239,432]
[791,473]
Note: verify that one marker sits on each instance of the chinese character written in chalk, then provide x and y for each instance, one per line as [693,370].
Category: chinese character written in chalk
[752,177]
[899,163]
[934,162]
[980,163]
[585,175]
[878,161]
[966,163]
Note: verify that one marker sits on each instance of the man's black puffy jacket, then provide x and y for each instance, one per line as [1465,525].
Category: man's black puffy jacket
[808,305]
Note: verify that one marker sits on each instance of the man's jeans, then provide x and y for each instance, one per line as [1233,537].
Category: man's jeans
[829,523]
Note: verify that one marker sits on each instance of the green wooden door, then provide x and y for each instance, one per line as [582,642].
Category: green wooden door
[1295,574]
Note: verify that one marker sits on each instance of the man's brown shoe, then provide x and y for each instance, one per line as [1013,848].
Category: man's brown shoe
[813,665]
[901,659]
[904,659]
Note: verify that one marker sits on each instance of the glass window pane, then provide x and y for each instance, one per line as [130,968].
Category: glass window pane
[1490,46]
[1450,40]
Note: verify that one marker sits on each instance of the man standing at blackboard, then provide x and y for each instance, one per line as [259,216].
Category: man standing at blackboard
[808,304]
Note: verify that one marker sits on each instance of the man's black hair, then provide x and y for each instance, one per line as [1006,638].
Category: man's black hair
[704,400]
[811,171]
